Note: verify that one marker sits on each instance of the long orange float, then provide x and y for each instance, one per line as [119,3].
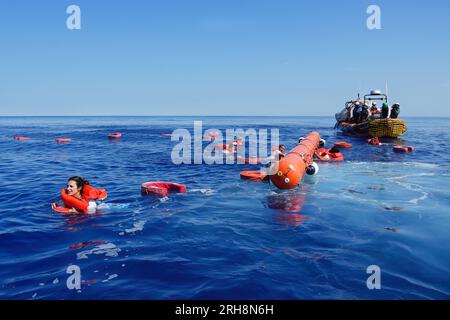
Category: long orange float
[293,166]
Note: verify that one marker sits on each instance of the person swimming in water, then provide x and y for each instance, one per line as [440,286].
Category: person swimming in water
[74,188]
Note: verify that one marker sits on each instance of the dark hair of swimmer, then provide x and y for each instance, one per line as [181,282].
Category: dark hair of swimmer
[334,150]
[79,181]
[281,146]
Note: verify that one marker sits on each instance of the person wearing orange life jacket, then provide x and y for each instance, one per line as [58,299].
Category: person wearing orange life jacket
[374,141]
[332,154]
[75,188]
[374,112]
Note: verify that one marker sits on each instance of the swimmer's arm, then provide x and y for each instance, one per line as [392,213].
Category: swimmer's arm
[55,205]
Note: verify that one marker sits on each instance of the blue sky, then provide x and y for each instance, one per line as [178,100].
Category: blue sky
[221,57]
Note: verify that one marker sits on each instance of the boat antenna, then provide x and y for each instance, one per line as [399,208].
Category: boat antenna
[386,89]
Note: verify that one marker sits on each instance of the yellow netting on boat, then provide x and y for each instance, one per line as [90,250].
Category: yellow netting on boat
[387,127]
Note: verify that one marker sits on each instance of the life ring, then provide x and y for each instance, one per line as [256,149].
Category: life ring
[21,138]
[161,188]
[403,149]
[81,205]
[326,155]
[116,135]
[343,144]
[62,140]
[254,176]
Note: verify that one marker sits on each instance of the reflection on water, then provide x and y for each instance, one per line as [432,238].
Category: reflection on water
[288,201]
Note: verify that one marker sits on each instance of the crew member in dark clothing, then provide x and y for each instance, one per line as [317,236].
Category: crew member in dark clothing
[384,111]
[395,110]
[364,113]
[357,113]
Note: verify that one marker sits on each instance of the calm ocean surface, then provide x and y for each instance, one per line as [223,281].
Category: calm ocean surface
[225,238]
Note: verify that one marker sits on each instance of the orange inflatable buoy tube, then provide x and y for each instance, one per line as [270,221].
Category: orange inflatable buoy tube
[254,176]
[116,135]
[343,144]
[62,140]
[326,155]
[161,188]
[292,167]
[403,149]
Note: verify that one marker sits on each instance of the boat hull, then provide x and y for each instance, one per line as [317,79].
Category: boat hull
[381,128]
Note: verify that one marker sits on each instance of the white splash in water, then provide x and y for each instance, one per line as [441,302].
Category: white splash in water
[164,199]
[138,226]
[206,192]
[111,277]
[422,165]
[108,249]
[411,175]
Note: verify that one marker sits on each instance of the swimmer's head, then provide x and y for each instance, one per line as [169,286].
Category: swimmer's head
[75,185]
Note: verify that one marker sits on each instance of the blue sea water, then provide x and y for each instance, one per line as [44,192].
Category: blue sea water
[225,238]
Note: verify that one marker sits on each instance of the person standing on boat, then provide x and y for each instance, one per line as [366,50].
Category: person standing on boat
[395,110]
[374,112]
[357,112]
[364,113]
[384,111]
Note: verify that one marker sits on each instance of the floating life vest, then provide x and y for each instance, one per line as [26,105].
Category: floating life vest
[403,149]
[21,138]
[62,140]
[343,144]
[161,188]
